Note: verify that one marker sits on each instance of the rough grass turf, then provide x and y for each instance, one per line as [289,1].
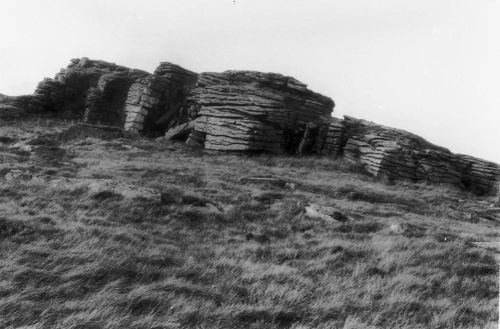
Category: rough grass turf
[219,252]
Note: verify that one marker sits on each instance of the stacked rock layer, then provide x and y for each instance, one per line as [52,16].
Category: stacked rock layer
[397,154]
[105,93]
[252,111]
[243,111]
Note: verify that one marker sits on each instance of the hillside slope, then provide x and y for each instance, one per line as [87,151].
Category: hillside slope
[134,233]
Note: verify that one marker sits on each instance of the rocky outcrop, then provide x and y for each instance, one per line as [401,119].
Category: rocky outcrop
[89,88]
[481,176]
[104,93]
[329,137]
[158,102]
[397,154]
[252,111]
[229,111]
[233,110]
[240,111]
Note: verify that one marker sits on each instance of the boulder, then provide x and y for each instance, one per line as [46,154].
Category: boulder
[181,131]
[408,230]
[325,213]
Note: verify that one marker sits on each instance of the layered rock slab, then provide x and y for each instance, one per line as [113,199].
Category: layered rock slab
[232,111]
[329,139]
[86,86]
[159,102]
[398,154]
[254,111]
[104,93]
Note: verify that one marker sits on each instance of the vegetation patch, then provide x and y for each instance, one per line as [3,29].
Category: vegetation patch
[221,250]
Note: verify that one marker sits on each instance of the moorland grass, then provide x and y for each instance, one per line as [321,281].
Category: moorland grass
[214,252]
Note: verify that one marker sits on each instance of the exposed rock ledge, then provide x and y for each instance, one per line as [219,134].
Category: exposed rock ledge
[398,154]
[242,111]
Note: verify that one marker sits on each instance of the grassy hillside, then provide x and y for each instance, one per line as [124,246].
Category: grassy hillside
[134,233]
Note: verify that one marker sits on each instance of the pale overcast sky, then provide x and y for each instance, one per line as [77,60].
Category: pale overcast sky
[428,66]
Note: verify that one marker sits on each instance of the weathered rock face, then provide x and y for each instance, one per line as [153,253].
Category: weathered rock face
[398,154]
[92,87]
[233,110]
[241,111]
[252,111]
[158,102]
[105,93]
[329,137]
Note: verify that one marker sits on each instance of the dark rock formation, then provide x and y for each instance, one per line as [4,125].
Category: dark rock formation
[93,89]
[397,154]
[252,111]
[241,111]
[329,138]
[233,110]
[105,93]
[158,102]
